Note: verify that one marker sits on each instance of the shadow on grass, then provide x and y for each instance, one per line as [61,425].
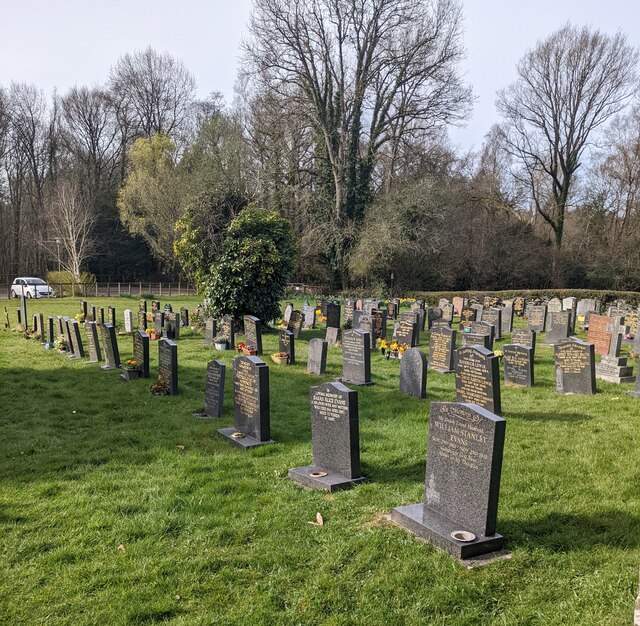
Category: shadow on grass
[408,473]
[564,532]
[533,416]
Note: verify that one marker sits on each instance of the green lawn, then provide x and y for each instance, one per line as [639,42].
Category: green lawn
[117,507]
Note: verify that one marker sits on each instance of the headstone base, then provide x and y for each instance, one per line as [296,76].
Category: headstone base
[331,482]
[633,394]
[442,371]
[437,529]
[106,368]
[614,370]
[202,415]
[244,442]
[357,383]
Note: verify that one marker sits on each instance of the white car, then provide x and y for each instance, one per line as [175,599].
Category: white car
[31,288]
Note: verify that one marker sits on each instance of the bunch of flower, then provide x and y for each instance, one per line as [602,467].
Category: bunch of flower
[241,345]
[79,317]
[131,364]
[498,353]
[161,386]
[280,323]
[60,343]
[281,355]
[149,330]
[383,344]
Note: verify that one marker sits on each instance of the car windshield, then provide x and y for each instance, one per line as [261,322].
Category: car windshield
[35,281]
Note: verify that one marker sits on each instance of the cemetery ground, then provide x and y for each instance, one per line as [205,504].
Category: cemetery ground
[118,507]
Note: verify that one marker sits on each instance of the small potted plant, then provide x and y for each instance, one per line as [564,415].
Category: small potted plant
[160,387]
[280,358]
[246,348]
[220,342]
[153,335]
[130,370]
[383,345]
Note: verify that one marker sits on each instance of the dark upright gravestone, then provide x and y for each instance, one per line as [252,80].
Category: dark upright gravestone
[110,347]
[379,324]
[333,315]
[478,378]
[482,328]
[142,305]
[210,332]
[78,349]
[477,339]
[507,319]
[253,332]
[68,337]
[575,367]
[467,316]
[60,324]
[142,320]
[158,321]
[348,311]
[519,306]
[441,323]
[441,350]
[406,331]
[518,365]
[141,352]
[356,357]
[168,365]
[34,323]
[100,315]
[93,344]
[462,482]
[111,315]
[227,330]
[184,316]
[168,308]
[171,328]
[155,305]
[524,337]
[214,390]
[317,357]
[295,323]
[19,323]
[92,315]
[559,327]
[41,328]
[287,343]
[537,318]
[250,403]
[83,309]
[50,333]
[413,373]
[335,440]
[23,312]
[494,316]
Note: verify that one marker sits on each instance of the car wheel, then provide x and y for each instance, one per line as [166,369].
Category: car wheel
[14,294]
[28,294]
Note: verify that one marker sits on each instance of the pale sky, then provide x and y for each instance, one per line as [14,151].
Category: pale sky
[61,43]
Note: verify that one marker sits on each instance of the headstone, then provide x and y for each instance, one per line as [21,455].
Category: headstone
[599,333]
[227,330]
[447,312]
[335,440]
[356,357]
[23,312]
[168,308]
[184,316]
[494,316]
[406,331]
[295,323]
[142,305]
[210,331]
[253,332]
[287,313]
[19,316]
[379,322]
[50,331]
[83,309]
[171,329]
[507,319]
[142,320]
[317,357]
[442,346]
[60,325]
[612,367]
[68,336]
[158,321]
[477,339]
[287,343]
[519,306]
[251,409]
[478,308]
[467,316]
[41,328]
[348,311]
[554,305]
[413,373]
[538,318]
[365,323]
[575,367]
[559,327]
[100,315]
[462,482]
[441,323]
[141,352]
[128,321]
[111,315]
[524,337]
[518,365]
[109,346]
[168,365]
[155,305]
[93,344]
[392,309]
[332,336]
[478,378]
[35,323]
[214,390]
[92,314]
[78,349]
[333,315]
[585,306]
[309,316]
[459,304]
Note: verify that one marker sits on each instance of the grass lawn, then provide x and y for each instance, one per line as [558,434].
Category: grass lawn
[117,507]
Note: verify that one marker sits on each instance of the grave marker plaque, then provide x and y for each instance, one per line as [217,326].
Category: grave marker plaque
[93,344]
[478,378]
[356,357]
[141,352]
[441,350]
[575,367]
[251,409]
[335,440]
[518,365]
[253,332]
[110,347]
[317,357]
[168,365]
[413,373]
[462,481]
[287,343]
[214,390]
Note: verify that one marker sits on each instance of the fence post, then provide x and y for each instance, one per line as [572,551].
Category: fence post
[96,288]
[119,290]
[139,289]
[169,289]
[108,289]
[179,287]
[160,289]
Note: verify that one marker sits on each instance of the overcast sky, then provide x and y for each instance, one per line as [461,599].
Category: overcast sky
[60,43]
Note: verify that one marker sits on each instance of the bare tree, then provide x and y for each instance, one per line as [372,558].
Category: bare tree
[365,75]
[155,90]
[71,223]
[568,86]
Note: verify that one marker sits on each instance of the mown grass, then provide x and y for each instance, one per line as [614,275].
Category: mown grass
[213,534]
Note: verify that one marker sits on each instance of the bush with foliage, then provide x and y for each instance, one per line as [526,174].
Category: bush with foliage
[257,261]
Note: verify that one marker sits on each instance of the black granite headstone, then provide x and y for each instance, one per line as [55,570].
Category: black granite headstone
[287,343]
[253,332]
[100,315]
[83,309]
[250,403]
[518,365]
[476,339]
[538,318]
[168,365]
[50,331]
[111,315]
[110,347]
[214,390]
[494,316]
[41,328]
[209,331]
[524,337]
[333,315]
[142,320]
[356,357]
[141,352]
[478,378]
[442,346]
[93,344]
[335,440]
[184,316]
[413,373]
[78,349]
[406,331]
[69,338]
[462,481]
[317,357]
[23,312]
[575,367]
[309,316]
[467,315]
[559,327]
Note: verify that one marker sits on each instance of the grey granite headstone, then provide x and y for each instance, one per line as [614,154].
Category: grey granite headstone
[559,327]
[575,367]
[494,316]
[406,331]
[317,357]
[467,316]
[287,343]
[356,357]
[111,315]
[78,349]
[210,332]
[442,346]
[447,312]
[109,346]
[413,373]
[251,408]
[507,319]
[309,313]
[141,352]
[538,318]
[335,440]
[478,378]
[253,332]
[462,481]
[93,344]
[524,337]
[214,390]
[332,336]
[518,365]
[168,365]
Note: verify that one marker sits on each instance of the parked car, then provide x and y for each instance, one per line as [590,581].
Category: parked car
[31,288]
